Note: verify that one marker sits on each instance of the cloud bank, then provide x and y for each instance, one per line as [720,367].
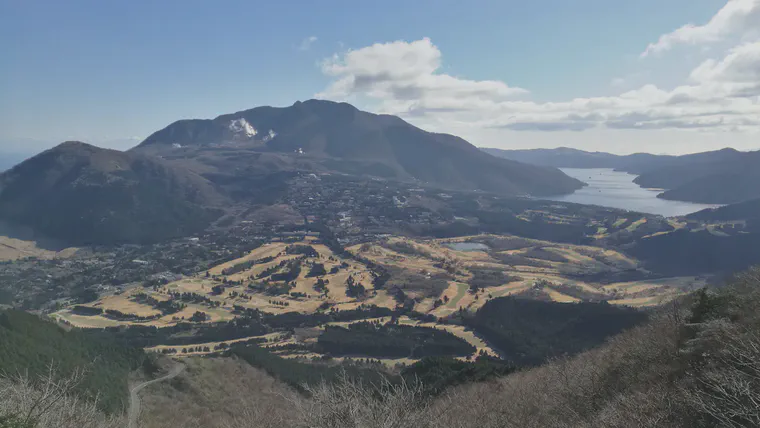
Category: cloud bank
[737,17]
[719,97]
[404,78]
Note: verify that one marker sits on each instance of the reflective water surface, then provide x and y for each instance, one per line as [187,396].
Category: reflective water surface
[615,189]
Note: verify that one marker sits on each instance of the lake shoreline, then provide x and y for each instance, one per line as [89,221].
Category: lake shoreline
[616,189]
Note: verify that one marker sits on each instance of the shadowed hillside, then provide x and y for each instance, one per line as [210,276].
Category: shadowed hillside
[82,194]
[29,345]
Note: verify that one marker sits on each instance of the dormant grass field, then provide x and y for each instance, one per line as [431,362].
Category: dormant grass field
[431,272]
[15,249]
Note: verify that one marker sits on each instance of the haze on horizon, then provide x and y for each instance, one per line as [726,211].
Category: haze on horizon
[677,78]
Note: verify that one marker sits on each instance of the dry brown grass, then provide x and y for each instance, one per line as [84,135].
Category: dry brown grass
[14,249]
[219,393]
[666,373]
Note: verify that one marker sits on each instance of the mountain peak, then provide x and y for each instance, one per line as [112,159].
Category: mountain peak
[76,145]
[104,196]
[335,136]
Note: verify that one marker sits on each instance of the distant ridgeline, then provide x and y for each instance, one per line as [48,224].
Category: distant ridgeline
[183,177]
[718,177]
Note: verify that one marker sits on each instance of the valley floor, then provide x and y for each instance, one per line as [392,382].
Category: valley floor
[439,278]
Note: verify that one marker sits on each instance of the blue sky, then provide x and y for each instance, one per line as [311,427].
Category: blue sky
[112,72]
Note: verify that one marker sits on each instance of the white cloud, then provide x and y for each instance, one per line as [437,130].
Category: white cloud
[306,43]
[403,78]
[406,73]
[741,66]
[736,17]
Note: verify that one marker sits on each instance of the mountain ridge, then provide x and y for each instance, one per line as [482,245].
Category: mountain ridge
[329,136]
[83,195]
[722,176]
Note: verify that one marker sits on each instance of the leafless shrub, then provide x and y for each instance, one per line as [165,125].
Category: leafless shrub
[350,404]
[219,393]
[725,387]
[49,402]
[622,384]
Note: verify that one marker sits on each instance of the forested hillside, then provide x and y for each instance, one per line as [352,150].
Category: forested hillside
[693,253]
[528,332]
[29,345]
[694,365]
[84,195]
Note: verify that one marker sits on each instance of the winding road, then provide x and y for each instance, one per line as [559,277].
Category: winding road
[134,397]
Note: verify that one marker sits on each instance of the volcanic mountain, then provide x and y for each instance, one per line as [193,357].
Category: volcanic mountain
[326,136]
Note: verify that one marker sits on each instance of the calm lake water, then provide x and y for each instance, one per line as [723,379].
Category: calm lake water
[617,190]
[467,246]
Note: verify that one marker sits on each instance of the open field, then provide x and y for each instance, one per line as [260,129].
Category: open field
[274,337]
[14,249]
[307,277]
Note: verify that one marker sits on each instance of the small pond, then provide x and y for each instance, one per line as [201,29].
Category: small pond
[467,246]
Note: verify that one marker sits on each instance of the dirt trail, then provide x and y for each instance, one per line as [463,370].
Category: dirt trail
[134,398]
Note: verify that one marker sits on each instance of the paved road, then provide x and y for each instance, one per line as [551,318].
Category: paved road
[134,398]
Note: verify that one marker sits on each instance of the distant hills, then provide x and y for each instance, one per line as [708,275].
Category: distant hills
[747,211]
[81,194]
[181,178]
[565,157]
[718,177]
[327,136]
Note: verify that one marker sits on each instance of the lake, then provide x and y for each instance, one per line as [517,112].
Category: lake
[616,189]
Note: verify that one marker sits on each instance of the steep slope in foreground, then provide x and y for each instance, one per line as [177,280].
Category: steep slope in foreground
[82,194]
[30,345]
[339,137]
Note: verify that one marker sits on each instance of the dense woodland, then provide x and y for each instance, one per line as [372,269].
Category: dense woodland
[438,373]
[251,322]
[528,331]
[30,345]
[298,374]
[391,341]
[693,253]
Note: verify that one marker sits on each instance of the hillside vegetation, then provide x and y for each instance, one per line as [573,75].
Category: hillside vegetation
[695,364]
[83,195]
[691,253]
[29,345]
[530,332]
